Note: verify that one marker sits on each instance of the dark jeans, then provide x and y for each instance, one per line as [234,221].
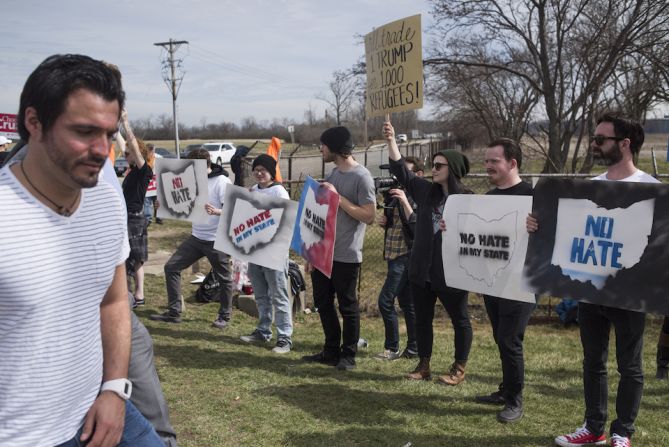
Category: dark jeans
[187,253]
[509,319]
[397,285]
[343,283]
[455,303]
[595,323]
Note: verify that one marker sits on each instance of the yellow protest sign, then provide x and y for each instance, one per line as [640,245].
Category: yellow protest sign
[394,57]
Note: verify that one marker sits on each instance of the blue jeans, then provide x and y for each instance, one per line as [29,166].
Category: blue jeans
[137,432]
[397,285]
[271,293]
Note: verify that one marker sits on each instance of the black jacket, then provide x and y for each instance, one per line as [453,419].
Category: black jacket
[426,265]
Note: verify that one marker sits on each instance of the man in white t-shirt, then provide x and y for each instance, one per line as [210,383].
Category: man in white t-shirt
[65,332]
[200,244]
[617,140]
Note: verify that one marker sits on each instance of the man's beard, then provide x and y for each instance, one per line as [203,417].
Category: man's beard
[609,159]
[68,166]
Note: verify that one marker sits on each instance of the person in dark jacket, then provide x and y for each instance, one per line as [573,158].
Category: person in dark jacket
[426,271]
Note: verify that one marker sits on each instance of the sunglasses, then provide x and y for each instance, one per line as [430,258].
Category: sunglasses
[437,166]
[600,139]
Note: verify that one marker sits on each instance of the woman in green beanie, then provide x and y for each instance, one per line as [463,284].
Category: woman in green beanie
[426,271]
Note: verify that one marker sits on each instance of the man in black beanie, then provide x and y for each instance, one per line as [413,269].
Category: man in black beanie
[357,203]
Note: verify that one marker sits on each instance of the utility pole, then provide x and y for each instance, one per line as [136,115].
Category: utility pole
[173,82]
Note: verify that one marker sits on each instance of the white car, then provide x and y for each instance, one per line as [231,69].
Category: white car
[220,151]
[402,138]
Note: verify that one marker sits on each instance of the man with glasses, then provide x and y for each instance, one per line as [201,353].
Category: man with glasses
[617,141]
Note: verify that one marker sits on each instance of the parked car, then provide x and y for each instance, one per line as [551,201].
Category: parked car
[164,153]
[402,138]
[190,147]
[220,151]
[120,166]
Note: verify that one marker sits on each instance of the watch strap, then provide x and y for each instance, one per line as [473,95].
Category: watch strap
[122,387]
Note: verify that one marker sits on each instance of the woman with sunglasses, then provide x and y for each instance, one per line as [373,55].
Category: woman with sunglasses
[426,272]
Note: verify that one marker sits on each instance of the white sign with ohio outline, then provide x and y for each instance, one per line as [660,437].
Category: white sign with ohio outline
[485,243]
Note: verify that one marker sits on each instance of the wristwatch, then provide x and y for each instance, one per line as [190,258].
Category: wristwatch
[122,387]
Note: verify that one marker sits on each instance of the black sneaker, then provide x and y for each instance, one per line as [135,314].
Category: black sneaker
[510,413]
[137,302]
[407,354]
[495,398]
[167,317]
[346,364]
[322,357]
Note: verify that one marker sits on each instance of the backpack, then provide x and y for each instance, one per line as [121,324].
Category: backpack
[208,290]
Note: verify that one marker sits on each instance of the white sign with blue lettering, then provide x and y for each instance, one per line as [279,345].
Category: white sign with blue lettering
[593,243]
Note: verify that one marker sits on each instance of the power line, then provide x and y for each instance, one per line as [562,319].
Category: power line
[172,80]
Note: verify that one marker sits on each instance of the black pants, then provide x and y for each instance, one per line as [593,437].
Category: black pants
[342,282]
[595,324]
[509,320]
[455,303]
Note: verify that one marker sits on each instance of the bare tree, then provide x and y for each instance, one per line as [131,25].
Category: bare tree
[565,50]
[499,102]
[343,87]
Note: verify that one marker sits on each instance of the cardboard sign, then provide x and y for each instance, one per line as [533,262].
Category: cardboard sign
[182,189]
[256,227]
[394,59]
[8,126]
[601,242]
[316,226]
[484,245]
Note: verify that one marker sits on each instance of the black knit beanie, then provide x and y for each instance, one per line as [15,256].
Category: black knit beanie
[338,139]
[458,163]
[266,161]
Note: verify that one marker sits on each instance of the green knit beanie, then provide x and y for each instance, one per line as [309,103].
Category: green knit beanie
[458,163]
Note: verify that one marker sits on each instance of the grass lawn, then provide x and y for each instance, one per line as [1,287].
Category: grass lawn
[222,392]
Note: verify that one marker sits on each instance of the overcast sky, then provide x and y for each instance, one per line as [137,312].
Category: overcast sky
[261,58]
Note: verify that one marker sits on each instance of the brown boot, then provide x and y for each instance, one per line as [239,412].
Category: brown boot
[455,376]
[422,371]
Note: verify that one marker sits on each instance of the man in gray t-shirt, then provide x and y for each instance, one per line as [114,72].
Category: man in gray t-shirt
[357,203]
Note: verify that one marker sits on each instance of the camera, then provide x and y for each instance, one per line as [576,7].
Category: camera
[382,185]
